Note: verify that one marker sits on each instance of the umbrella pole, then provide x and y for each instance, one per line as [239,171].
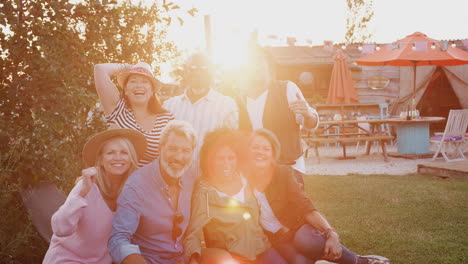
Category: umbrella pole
[342,127]
[413,103]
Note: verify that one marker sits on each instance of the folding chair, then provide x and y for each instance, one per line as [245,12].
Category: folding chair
[41,202]
[454,133]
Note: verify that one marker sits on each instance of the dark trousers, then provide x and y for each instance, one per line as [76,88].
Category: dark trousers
[299,177]
[307,247]
[270,256]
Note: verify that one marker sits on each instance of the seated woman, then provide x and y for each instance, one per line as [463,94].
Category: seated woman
[225,210]
[299,232]
[137,106]
[82,225]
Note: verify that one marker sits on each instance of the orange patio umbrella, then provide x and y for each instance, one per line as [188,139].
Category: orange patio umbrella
[342,89]
[407,53]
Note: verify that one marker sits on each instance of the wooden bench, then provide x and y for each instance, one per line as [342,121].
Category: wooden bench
[380,138]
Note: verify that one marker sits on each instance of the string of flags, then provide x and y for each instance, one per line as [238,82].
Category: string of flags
[369,48]
[420,46]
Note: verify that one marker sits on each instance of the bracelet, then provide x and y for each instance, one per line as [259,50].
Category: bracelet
[328,231]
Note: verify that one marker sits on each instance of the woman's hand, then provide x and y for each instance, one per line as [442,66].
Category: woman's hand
[194,259]
[333,248]
[88,177]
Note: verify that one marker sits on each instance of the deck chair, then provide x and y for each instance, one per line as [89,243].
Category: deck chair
[41,202]
[454,132]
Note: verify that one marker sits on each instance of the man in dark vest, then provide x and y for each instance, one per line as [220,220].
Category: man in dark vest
[278,106]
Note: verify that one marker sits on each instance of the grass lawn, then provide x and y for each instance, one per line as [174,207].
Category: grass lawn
[409,219]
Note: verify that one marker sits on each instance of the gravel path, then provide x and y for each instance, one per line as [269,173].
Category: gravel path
[362,164]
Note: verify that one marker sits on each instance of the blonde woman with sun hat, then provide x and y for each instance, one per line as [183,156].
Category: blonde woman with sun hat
[137,106]
[82,225]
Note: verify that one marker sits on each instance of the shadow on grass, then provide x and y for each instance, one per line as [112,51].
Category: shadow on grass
[409,219]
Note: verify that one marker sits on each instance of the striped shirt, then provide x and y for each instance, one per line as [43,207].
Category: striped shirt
[207,114]
[124,118]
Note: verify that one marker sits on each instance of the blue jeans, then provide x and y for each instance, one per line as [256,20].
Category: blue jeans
[308,246]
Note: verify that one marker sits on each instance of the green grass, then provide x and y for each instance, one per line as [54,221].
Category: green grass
[409,219]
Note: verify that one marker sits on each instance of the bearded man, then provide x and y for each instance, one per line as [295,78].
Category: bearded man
[154,206]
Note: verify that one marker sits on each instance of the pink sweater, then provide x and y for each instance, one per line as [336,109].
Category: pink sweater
[81,228]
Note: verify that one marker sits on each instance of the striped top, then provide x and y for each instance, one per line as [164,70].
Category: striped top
[124,118]
[208,113]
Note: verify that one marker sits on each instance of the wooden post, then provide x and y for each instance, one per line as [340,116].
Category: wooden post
[208,37]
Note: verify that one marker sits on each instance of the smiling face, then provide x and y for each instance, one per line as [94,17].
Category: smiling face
[138,89]
[258,72]
[115,158]
[224,162]
[176,155]
[261,152]
[198,74]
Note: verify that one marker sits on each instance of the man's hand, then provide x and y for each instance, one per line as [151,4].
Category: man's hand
[333,248]
[300,106]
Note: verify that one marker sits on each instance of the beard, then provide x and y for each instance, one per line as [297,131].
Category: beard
[171,172]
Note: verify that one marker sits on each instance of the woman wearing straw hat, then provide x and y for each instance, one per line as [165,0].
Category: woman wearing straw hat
[137,106]
[82,225]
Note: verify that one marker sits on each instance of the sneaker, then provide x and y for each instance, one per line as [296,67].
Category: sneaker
[374,259]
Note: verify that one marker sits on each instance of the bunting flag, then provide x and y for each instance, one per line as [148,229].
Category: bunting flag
[275,37]
[443,45]
[393,46]
[291,41]
[328,45]
[421,46]
[465,43]
[368,48]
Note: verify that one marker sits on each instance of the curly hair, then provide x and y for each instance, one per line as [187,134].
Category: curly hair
[215,140]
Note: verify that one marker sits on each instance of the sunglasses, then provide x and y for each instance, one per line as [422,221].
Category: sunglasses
[195,68]
[176,229]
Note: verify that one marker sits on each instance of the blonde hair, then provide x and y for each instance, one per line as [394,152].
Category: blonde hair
[102,181]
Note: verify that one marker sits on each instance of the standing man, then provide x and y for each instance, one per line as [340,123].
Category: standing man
[154,206]
[278,106]
[200,105]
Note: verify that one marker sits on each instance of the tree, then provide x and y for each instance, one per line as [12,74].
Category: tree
[47,98]
[359,13]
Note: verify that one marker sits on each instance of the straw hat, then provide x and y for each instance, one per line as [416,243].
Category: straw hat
[91,147]
[141,68]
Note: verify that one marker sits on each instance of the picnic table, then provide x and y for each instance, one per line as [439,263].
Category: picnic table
[370,134]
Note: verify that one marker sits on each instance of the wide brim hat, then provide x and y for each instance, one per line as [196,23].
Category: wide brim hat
[141,68]
[91,148]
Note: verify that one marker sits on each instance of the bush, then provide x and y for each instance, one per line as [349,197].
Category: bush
[48,50]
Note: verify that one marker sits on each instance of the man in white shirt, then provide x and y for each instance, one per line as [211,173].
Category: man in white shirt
[200,105]
[278,106]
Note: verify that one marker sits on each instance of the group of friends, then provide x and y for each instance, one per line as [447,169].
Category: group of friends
[200,178]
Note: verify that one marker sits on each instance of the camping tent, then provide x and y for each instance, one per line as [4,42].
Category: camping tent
[456,75]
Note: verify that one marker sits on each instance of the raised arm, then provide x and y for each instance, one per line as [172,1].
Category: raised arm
[65,221]
[299,105]
[107,92]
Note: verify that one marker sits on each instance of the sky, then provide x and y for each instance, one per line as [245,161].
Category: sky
[312,20]
[320,20]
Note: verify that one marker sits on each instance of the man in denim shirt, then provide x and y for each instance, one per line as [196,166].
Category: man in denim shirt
[154,206]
